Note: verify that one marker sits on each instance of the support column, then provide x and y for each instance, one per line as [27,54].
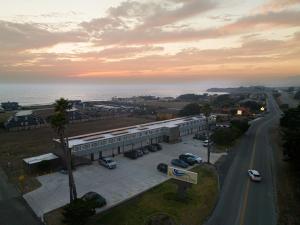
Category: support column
[92,156]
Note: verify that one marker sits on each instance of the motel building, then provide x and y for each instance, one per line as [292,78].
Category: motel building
[118,141]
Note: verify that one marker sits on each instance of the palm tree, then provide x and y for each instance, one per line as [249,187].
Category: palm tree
[207,111]
[59,122]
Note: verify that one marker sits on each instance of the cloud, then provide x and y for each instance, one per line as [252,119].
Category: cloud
[19,36]
[270,20]
[150,28]
[122,52]
[276,5]
[253,58]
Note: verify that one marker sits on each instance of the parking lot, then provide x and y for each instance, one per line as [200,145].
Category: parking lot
[130,178]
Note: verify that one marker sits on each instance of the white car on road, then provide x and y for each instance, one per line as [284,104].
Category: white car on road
[108,162]
[254,175]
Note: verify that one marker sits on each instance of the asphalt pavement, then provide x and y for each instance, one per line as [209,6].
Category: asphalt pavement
[241,201]
[13,208]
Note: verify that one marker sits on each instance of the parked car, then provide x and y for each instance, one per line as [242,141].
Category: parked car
[97,198]
[158,146]
[152,148]
[205,143]
[108,162]
[187,159]
[179,163]
[254,175]
[132,154]
[63,171]
[198,159]
[162,167]
[139,152]
[200,137]
[145,150]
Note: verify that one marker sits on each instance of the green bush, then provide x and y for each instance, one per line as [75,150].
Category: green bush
[241,125]
[225,136]
[78,212]
[190,109]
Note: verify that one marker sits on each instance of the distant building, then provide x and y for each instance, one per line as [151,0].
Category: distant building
[23,120]
[74,114]
[10,106]
[167,99]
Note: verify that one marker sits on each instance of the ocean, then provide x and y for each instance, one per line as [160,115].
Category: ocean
[39,94]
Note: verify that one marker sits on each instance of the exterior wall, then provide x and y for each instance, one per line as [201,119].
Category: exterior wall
[126,142]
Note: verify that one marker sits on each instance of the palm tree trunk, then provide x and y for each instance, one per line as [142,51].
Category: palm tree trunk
[74,192]
[67,156]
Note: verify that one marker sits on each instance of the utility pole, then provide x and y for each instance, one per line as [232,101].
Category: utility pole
[207,110]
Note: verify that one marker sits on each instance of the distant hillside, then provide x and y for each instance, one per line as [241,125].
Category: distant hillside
[238,89]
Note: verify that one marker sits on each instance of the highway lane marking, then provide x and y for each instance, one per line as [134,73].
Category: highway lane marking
[246,193]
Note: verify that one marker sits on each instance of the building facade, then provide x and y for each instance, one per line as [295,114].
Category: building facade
[118,141]
[24,120]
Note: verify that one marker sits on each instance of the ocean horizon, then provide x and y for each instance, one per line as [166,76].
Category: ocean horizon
[40,94]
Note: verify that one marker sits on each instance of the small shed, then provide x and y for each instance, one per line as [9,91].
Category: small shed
[42,163]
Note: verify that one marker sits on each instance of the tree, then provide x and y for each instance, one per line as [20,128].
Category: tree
[290,89]
[241,125]
[297,95]
[190,110]
[59,121]
[252,105]
[78,212]
[206,109]
[224,136]
[290,126]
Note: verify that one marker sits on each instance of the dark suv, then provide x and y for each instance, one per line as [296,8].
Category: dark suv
[162,167]
[158,146]
[96,198]
[188,159]
[132,154]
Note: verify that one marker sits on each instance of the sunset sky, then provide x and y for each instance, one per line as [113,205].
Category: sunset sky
[148,40]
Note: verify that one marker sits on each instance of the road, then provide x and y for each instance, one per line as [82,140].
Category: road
[242,202]
[13,208]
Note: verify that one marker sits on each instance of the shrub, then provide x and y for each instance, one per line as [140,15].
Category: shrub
[190,109]
[78,212]
[241,125]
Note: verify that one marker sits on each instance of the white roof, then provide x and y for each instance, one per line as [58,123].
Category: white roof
[72,110]
[88,138]
[24,113]
[255,172]
[36,159]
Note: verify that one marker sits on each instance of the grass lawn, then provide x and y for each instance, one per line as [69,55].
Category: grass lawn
[163,199]
[4,116]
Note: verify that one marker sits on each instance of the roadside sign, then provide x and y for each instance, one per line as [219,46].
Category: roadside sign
[183,175]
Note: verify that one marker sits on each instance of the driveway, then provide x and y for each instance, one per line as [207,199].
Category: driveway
[129,179]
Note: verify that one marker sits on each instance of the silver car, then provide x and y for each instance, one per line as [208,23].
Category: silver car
[108,162]
[198,159]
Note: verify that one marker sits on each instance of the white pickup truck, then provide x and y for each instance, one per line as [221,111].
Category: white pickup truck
[108,162]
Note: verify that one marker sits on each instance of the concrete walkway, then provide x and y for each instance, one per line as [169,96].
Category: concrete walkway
[130,178]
